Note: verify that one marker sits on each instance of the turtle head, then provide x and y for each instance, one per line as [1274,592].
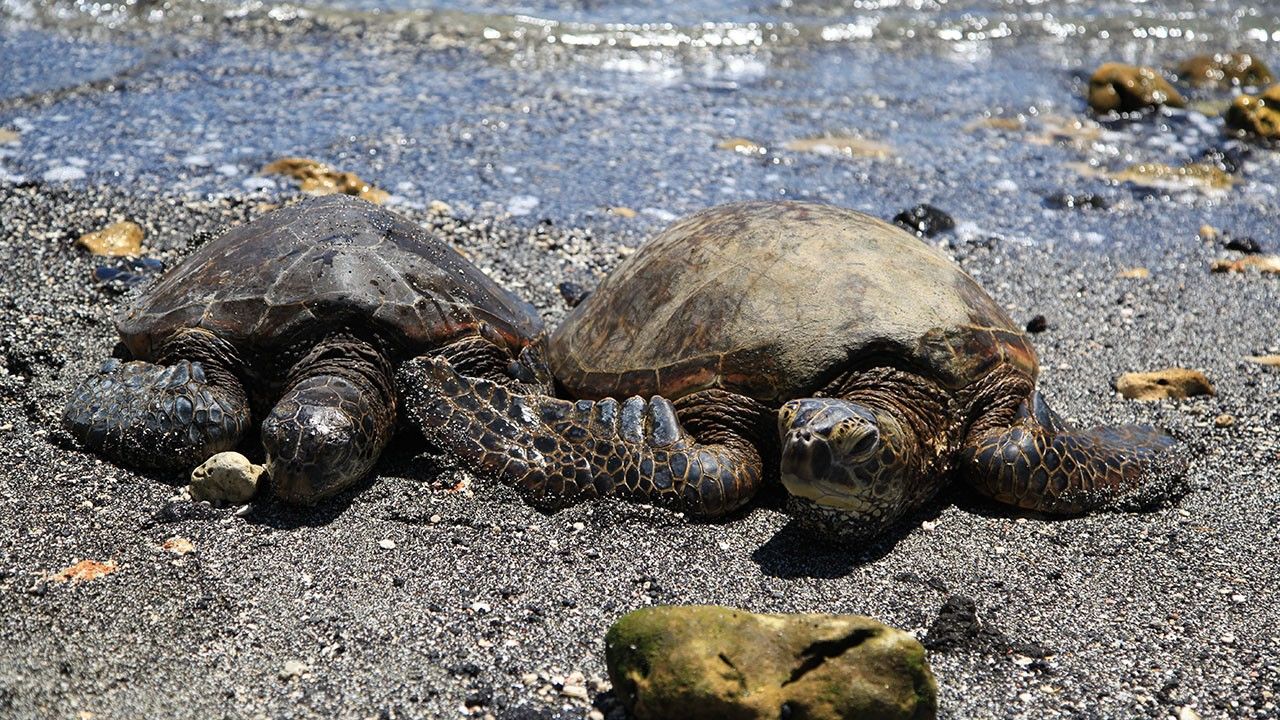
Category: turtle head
[844,464]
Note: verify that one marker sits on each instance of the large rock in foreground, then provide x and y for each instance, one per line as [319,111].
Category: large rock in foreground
[717,662]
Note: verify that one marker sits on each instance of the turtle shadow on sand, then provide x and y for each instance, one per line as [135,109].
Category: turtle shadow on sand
[795,552]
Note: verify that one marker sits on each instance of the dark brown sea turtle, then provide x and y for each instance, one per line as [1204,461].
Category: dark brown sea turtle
[297,319]
[862,359]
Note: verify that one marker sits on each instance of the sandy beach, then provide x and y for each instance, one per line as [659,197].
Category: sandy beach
[426,592]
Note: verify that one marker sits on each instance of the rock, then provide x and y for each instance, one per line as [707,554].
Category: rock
[841,145]
[742,145]
[1272,360]
[178,546]
[622,211]
[1224,70]
[1116,87]
[925,220]
[957,627]
[573,293]
[1256,114]
[1208,233]
[84,571]
[1137,273]
[1227,159]
[1173,383]
[227,478]
[1246,245]
[120,239]
[1262,263]
[1192,176]
[1224,421]
[293,669]
[317,178]
[1067,201]
[1037,324]
[716,662]
[9,136]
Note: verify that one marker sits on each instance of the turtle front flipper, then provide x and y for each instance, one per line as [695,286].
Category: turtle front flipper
[157,417]
[1041,463]
[558,452]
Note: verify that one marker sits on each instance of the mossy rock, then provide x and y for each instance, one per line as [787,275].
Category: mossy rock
[1225,70]
[1116,87]
[717,662]
[1257,114]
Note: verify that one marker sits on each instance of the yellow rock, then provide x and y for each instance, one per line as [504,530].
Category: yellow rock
[1176,177]
[1137,273]
[1116,87]
[8,136]
[120,239]
[841,145]
[178,545]
[1224,421]
[714,663]
[1175,383]
[1272,360]
[1208,233]
[623,212]
[1256,114]
[1263,263]
[1225,69]
[317,178]
[741,145]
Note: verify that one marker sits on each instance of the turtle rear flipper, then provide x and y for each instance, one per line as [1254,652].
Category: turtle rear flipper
[558,452]
[1041,463]
[157,417]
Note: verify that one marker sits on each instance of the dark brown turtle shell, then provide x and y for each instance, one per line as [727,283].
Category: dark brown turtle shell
[774,300]
[325,264]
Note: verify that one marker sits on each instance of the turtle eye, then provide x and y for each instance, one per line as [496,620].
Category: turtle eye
[865,445]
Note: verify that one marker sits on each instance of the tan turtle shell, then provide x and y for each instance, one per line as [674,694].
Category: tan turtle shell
[774,300]
[327,264]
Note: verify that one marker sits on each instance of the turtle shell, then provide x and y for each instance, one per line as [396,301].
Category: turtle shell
[774,300]
[322,264]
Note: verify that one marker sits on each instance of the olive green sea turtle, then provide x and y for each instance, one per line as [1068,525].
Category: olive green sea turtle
[297,320]
[861,360]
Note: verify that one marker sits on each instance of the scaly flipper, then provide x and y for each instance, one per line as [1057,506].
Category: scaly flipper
[558,452]
[1041,463]
[156,416]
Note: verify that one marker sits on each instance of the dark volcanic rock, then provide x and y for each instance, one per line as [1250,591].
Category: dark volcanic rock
[925,220]
[573,293]
[957,627]
[1065,200]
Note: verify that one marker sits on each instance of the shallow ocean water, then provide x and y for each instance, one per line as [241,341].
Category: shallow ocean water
[561,110]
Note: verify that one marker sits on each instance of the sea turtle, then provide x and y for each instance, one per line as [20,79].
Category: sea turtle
[860,360]
[297,319]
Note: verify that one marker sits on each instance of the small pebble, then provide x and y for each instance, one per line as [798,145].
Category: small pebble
[226,478]
[522,204]
[1208,233]
[925,220]
[573,293]
[1224,421]
[1037,324]
[1246,245]
[387,544]
[293,669]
